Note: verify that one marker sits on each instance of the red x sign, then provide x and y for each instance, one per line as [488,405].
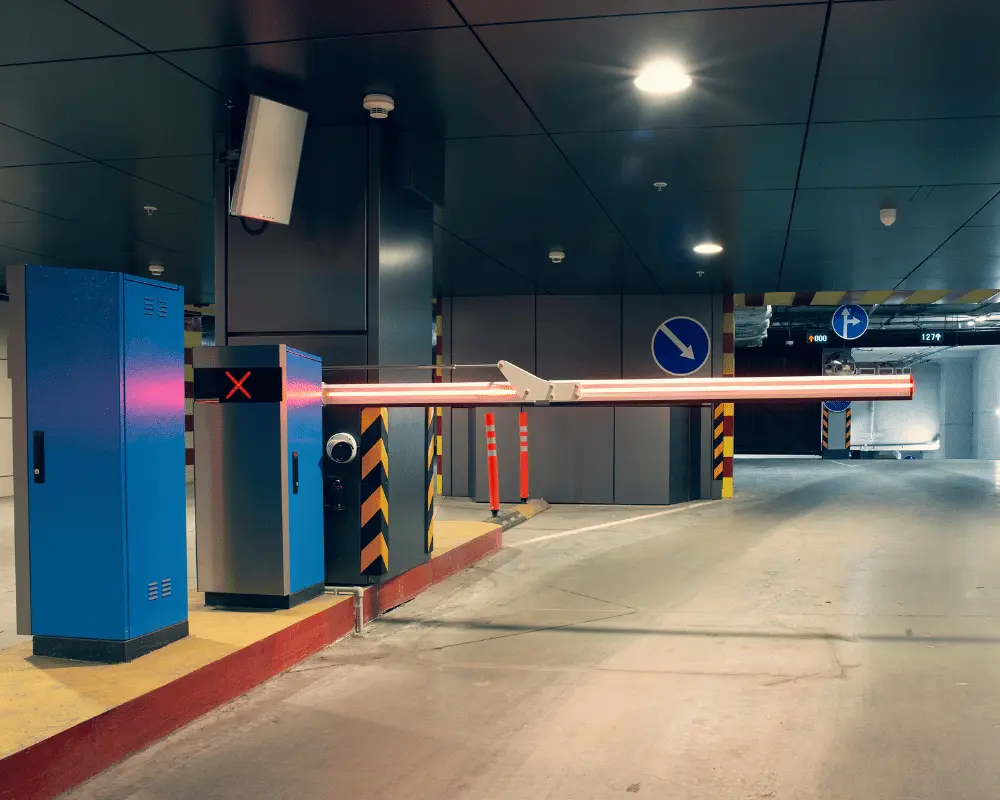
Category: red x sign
[238,384]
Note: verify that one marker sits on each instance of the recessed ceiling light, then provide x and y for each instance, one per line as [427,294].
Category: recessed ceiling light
[662,77]
[708,249]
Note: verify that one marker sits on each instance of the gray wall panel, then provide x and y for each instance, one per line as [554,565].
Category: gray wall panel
[644,314]
[485,330]
[407,490]
[342,350]
[579,337]
[642,456]
[571,454]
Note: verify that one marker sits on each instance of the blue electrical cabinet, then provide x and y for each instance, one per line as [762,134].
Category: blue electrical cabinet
[258,432]
[96,361]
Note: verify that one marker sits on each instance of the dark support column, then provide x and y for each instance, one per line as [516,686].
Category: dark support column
[350,279]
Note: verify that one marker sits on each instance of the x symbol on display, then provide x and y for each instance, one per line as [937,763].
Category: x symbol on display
[238,384]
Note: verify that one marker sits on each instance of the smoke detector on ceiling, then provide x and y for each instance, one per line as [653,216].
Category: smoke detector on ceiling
[378,105]
[155,269]
[557,256]
[887,215]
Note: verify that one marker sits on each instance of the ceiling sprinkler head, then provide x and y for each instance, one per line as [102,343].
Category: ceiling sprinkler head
[150,210]
[700,273]
[887,215]
[378,105]
[155,269]
[659,185]
[557,256]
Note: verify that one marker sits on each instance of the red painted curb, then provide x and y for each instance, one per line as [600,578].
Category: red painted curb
[67,759]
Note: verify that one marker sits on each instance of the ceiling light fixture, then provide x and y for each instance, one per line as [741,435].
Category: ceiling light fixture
[557,256]
[708,249]
[662,77]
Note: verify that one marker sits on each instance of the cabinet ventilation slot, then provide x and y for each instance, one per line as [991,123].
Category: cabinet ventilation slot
[166,582]
[148,306]
[153,590]
[162,308]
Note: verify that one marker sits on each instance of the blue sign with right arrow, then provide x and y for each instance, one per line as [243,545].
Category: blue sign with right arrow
[681,346]
[850,321]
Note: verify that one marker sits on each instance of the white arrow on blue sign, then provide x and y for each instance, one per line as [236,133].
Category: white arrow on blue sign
[681,346]
[850,321]
[836,406]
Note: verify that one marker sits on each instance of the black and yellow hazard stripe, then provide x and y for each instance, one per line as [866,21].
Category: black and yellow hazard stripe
[718,445]
[826,428]
[890,297]
[847,429]
[728,409]
[374,491]
[430,442]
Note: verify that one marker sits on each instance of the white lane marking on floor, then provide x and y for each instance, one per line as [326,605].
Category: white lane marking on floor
[614,523]
[844,464]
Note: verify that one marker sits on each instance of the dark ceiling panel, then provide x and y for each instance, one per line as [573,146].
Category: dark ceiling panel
[183,24]
[461,270]
[442,81]
[129,107]
[990,215]
[846,210]
[837,260]
[908,153]
[969,260]
[188,175]
[18,148]
[69,241]
[900,59]
[663,227]
[88,191]
[479,12]
[726,159]
[516,198]
[14,213]
[750,66]
[48,30]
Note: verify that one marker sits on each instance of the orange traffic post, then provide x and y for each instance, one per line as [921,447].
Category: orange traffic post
[491,463]
[523,426]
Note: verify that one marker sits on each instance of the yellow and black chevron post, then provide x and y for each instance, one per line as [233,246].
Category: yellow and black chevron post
[826,429]
[430,442]
[374,491]
[718,445]
[728,409]
[439,378]
[847,430]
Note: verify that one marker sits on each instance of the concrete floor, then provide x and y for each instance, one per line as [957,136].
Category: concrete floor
[832,633]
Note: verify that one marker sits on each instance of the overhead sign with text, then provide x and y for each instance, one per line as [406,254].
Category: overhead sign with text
[850,322]
[681,346]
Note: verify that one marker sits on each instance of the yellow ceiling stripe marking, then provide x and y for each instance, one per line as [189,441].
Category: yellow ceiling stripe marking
[375,548]
[375,503]
[925,296]
[739,300]
[377,455]
[875,298]
[978,296]
[779,298]
[827,298]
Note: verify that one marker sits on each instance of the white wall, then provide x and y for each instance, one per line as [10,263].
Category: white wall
[957,406]
[986,422]
[913,422]
[6,440]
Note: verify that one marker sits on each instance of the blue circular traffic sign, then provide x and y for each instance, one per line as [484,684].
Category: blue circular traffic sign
[681,346]
[837,406]
[850,321]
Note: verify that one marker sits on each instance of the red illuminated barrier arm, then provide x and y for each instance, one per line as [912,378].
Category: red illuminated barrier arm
[523,388]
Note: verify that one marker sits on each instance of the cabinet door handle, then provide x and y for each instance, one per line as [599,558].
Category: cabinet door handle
[38,455]
[295,473]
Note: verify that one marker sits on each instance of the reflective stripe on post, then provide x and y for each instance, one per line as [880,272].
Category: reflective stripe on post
[523,428]
[491,463]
